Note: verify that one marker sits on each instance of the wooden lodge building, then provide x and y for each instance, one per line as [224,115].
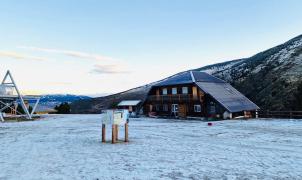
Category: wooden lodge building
[197,94]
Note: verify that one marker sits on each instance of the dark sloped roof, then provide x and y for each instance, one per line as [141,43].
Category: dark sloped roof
[180,78]
[227,96]
[188,77]
[224,93]
[205,77]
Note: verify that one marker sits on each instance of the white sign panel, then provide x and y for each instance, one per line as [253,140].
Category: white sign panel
[107,117]
[118,117]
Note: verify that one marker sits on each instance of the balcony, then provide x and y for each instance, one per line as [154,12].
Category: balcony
[172,98]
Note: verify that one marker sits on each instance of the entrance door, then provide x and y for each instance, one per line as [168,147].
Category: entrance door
[174,109]
[182,111]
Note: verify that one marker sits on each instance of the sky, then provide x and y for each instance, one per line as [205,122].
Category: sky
[95,47]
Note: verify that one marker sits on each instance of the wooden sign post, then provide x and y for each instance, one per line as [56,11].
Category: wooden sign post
[126,132]
[116,132]
[103,133]
[113,134]
[115,118]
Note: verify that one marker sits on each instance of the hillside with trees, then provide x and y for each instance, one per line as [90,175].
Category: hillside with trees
[272,79]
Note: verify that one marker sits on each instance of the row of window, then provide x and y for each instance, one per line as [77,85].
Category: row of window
[185,90]
[197,108]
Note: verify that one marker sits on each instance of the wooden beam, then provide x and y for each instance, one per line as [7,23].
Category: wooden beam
[103,133]
[116,132]
[1,117]
[126,133]
[113,134]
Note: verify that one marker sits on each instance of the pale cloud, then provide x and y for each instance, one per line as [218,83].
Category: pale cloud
[31,92]
[102,67]
[108,69]
[59,83]
[78,54]
[16,55]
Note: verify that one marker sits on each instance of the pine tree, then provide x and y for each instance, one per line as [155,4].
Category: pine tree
[63,108]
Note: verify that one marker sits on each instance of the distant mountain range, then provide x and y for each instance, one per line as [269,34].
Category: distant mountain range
[51,100]
[269,78]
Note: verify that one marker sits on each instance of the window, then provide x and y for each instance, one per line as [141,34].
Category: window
[197,108]
[165,107]
[165,91]
[174,90]
[212,108]
[157,107]
[185,90]
[174,108]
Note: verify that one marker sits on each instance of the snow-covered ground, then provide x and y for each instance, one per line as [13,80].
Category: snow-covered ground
[69,147]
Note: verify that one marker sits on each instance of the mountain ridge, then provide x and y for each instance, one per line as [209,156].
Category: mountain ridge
[51,100]
[269,78]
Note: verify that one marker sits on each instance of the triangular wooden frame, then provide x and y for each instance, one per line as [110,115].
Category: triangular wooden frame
[8,76]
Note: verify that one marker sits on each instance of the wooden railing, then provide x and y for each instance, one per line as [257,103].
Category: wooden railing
[280,114]
[172,98]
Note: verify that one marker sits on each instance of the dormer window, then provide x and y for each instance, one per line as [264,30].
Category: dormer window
[165,91]
[174,90]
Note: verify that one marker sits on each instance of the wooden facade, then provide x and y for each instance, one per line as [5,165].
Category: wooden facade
[185,100]
[197,94]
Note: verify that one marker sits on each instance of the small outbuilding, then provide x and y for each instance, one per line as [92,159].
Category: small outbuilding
[133,106]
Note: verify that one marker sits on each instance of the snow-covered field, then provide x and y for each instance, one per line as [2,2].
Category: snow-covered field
[69,147]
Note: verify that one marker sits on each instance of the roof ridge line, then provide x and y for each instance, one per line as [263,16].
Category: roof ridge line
[192,76]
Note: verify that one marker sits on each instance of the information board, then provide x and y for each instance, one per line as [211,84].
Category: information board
[118,117]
